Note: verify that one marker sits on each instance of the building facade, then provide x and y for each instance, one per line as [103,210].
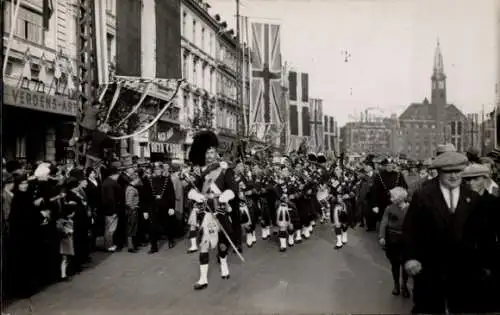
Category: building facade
[427,124]
[375,136]
[40,81]
[227,107]
[198,96]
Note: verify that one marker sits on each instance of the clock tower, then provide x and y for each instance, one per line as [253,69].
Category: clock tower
[438,95]
[438,79]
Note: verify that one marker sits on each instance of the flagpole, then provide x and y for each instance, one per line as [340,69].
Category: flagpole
[11,36]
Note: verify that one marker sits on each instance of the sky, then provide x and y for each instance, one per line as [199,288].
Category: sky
[391,44]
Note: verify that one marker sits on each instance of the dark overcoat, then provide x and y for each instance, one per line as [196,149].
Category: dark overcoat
[445,244]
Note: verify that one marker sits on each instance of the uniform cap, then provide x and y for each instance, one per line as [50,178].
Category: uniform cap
[450,161]
[476,170]
[448,147]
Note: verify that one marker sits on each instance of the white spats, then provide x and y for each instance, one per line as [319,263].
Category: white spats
[249,239]
[64,266]
[306,232]
[291,241]
[193,246]
[254,238]
[282,244]
[344,237]
[298,236]
[203,281]
[224,268]
[313,223]
[266,232]
[339,243]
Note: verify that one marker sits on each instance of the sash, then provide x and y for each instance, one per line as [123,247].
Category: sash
[209,183]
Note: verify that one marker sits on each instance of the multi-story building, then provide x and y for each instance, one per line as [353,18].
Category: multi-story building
[40,81]
[486,132]
[199,65]
[373,136]
[427,124]
[227,109]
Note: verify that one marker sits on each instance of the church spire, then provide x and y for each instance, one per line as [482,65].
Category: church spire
[438,61]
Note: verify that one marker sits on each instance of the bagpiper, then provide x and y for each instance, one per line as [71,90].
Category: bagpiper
[213,192]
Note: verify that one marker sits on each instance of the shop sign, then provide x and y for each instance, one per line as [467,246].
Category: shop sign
[162,147]
[39,101]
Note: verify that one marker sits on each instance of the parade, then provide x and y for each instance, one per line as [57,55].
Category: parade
[154,160]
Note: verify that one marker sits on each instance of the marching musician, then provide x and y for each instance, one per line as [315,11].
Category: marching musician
[214,191]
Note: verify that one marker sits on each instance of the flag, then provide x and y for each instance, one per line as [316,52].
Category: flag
[304,79]
[294,120]
[306,122]
[48,10]
[298,87]
[128,38]
[266,74]
[168,39]
[316,122]
[148,39]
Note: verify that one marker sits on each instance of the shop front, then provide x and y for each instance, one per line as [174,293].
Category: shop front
[227,143]
[36,126]
[166,142]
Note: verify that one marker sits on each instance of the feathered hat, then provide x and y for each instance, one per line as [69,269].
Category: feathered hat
[321,158]
[202,141]
[312,157]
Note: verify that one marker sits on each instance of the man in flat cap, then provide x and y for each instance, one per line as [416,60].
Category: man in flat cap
[485,224]
[437,234]
[491,185]
[442,148]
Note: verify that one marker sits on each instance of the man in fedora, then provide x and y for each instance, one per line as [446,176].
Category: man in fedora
[435,232]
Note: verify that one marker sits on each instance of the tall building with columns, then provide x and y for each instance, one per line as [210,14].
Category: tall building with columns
[199,62]
[40,80]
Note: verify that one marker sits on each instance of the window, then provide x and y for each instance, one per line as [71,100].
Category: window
[202,39]
[185,73]
[194,31]
[203,71]
[184,21]
[195,81]
[29,25]
[109,40]
[110,6]
[210,44]
[7,14]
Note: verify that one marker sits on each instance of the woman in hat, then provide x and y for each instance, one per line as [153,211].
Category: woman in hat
[214,192]
[75,194]
[24,222]
[132,206]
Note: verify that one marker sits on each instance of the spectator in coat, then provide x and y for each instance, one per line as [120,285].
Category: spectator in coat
[486,251]
[111,194]
[179,185]
[379,197]
[439,234]
[93,193]
[132,206]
